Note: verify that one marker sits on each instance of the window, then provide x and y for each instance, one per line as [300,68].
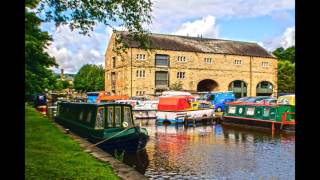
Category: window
[237,84]
[181,59]
[113,62]
[81,116]
[89,117]
[208,60]
[264,84]
[162,78]
[140,73]
[117,116]
[127,116]
[110,116]
[237,62]
[140,93]
[100,118]
[180,75]
[265,64]
[162,60]
[141,57]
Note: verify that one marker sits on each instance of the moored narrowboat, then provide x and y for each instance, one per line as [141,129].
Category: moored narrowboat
[266,115]
[181,109]
[111,126]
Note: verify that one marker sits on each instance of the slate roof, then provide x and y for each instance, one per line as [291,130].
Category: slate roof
[197,44]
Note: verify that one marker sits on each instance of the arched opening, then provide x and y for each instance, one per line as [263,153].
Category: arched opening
[264,88]
[239,88]
[207,85]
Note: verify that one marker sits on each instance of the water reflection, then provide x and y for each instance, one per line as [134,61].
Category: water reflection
[217,152]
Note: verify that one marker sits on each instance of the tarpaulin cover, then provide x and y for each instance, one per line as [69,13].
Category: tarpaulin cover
[173,103]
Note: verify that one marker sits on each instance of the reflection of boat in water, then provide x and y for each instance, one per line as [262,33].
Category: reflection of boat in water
[138,160]
[111,125]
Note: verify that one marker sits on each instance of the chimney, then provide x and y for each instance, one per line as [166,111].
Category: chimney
[61,75]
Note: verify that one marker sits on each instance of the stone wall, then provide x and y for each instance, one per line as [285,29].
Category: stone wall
[222,70]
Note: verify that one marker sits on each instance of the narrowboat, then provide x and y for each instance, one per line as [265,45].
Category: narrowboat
[109,125]
[265,115]
[146,109]
[180,109]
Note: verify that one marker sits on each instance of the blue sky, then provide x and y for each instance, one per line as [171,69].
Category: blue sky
[270,23]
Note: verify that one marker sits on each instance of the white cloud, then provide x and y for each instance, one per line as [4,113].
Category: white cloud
[73,50]
[205,27]
[287,39]
[168,14]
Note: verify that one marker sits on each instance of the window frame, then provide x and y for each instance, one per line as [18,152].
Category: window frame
[103,118]
[110,123]
[115,114]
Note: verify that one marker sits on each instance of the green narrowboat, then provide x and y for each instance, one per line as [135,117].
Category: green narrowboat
[111,126]
[275,116]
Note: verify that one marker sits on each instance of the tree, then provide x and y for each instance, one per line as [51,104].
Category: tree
[286,76]
[89,78]
[85,14]
[286,69]
[177,86]
[285,54]
[37,75]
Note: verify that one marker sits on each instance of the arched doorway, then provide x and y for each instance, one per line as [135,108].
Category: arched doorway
[239,88]
[207,85]
[264,88]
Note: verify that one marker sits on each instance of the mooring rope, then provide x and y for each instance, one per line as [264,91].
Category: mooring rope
[108,138]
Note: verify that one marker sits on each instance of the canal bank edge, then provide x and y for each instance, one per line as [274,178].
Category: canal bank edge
[122,170]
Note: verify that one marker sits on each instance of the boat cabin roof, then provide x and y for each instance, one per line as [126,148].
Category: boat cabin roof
[174,103]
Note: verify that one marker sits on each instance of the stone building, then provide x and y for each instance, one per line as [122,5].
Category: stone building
[199,64]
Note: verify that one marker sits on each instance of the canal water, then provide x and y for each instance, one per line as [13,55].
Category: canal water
[213,152]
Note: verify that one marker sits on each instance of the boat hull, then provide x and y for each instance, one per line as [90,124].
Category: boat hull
[144,114]
[182,116]
[255,123]
[128,144]
[131,140]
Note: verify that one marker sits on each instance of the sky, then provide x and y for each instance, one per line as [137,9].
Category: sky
[270,23]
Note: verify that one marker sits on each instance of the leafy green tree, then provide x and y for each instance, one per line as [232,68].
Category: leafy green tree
[285,54]
[286,69]
[177,86]
[286,76]
[85,14]
[66,84]
[37,75]
[82,15]
[89,78]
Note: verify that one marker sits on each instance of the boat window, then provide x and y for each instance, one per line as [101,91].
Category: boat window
[100,118]
[89,117]
[110,116]
[250,111]
[117,117]
[232,110]
[81,116]
[127,117]
[266,112]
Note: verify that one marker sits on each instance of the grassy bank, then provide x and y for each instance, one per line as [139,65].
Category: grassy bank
[50,154]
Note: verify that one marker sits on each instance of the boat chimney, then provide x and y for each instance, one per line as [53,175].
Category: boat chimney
[61,75]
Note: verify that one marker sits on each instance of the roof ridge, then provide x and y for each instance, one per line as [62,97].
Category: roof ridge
[194,37]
